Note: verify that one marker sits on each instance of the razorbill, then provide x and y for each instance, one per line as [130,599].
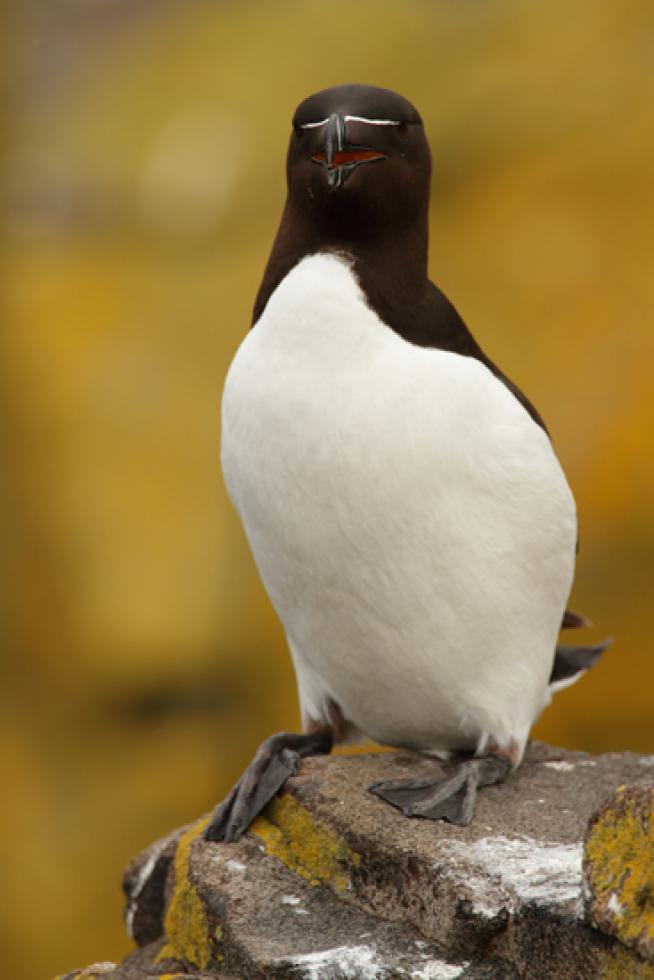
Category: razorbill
[406,511]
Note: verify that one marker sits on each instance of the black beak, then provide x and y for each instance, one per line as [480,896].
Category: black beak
[335,138]
[339,157]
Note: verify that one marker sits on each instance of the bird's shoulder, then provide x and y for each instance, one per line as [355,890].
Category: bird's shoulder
[432,320]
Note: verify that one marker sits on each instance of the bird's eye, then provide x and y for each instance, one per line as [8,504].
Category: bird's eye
[402,128]
[299,132]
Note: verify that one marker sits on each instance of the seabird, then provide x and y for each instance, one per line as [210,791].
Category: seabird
[403,502]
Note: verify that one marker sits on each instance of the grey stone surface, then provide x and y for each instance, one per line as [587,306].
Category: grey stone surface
[333,883]
[279,925]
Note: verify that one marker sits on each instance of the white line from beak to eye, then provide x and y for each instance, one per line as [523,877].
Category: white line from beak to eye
[373,122]
[363,119]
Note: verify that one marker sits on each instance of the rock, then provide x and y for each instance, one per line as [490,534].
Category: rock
[333,883]
[93,972]
[144,884]
[619,868]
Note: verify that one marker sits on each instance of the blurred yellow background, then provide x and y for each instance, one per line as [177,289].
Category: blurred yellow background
[143,181]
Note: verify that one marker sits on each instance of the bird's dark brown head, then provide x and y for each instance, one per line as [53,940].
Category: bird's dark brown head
[358,170]
[358,161]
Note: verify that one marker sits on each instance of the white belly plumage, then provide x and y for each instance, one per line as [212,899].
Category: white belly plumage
[410,521]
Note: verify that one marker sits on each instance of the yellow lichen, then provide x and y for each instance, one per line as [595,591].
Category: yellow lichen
[620,964]
[172,976]
[166,953]
[316,853]
[187,926]
[620,867]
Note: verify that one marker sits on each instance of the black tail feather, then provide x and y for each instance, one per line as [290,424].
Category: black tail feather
[574,621]
[569,661]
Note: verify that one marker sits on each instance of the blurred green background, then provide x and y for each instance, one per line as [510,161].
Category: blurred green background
[142,183]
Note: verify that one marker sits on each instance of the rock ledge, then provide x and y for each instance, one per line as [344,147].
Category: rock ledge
[554,878]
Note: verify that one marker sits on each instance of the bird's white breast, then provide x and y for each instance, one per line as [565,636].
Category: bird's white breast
[410,521]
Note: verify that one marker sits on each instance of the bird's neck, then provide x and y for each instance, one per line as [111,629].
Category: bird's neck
[390,264]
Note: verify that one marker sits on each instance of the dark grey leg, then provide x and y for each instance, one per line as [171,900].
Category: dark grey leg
[276,759]
[451,799]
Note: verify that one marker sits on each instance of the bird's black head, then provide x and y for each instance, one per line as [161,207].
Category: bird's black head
[358,160]
[358,170]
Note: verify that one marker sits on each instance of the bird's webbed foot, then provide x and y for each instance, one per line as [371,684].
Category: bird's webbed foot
[276,759]
[452,798]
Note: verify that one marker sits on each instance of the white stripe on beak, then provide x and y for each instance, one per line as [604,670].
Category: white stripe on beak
[362,119]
